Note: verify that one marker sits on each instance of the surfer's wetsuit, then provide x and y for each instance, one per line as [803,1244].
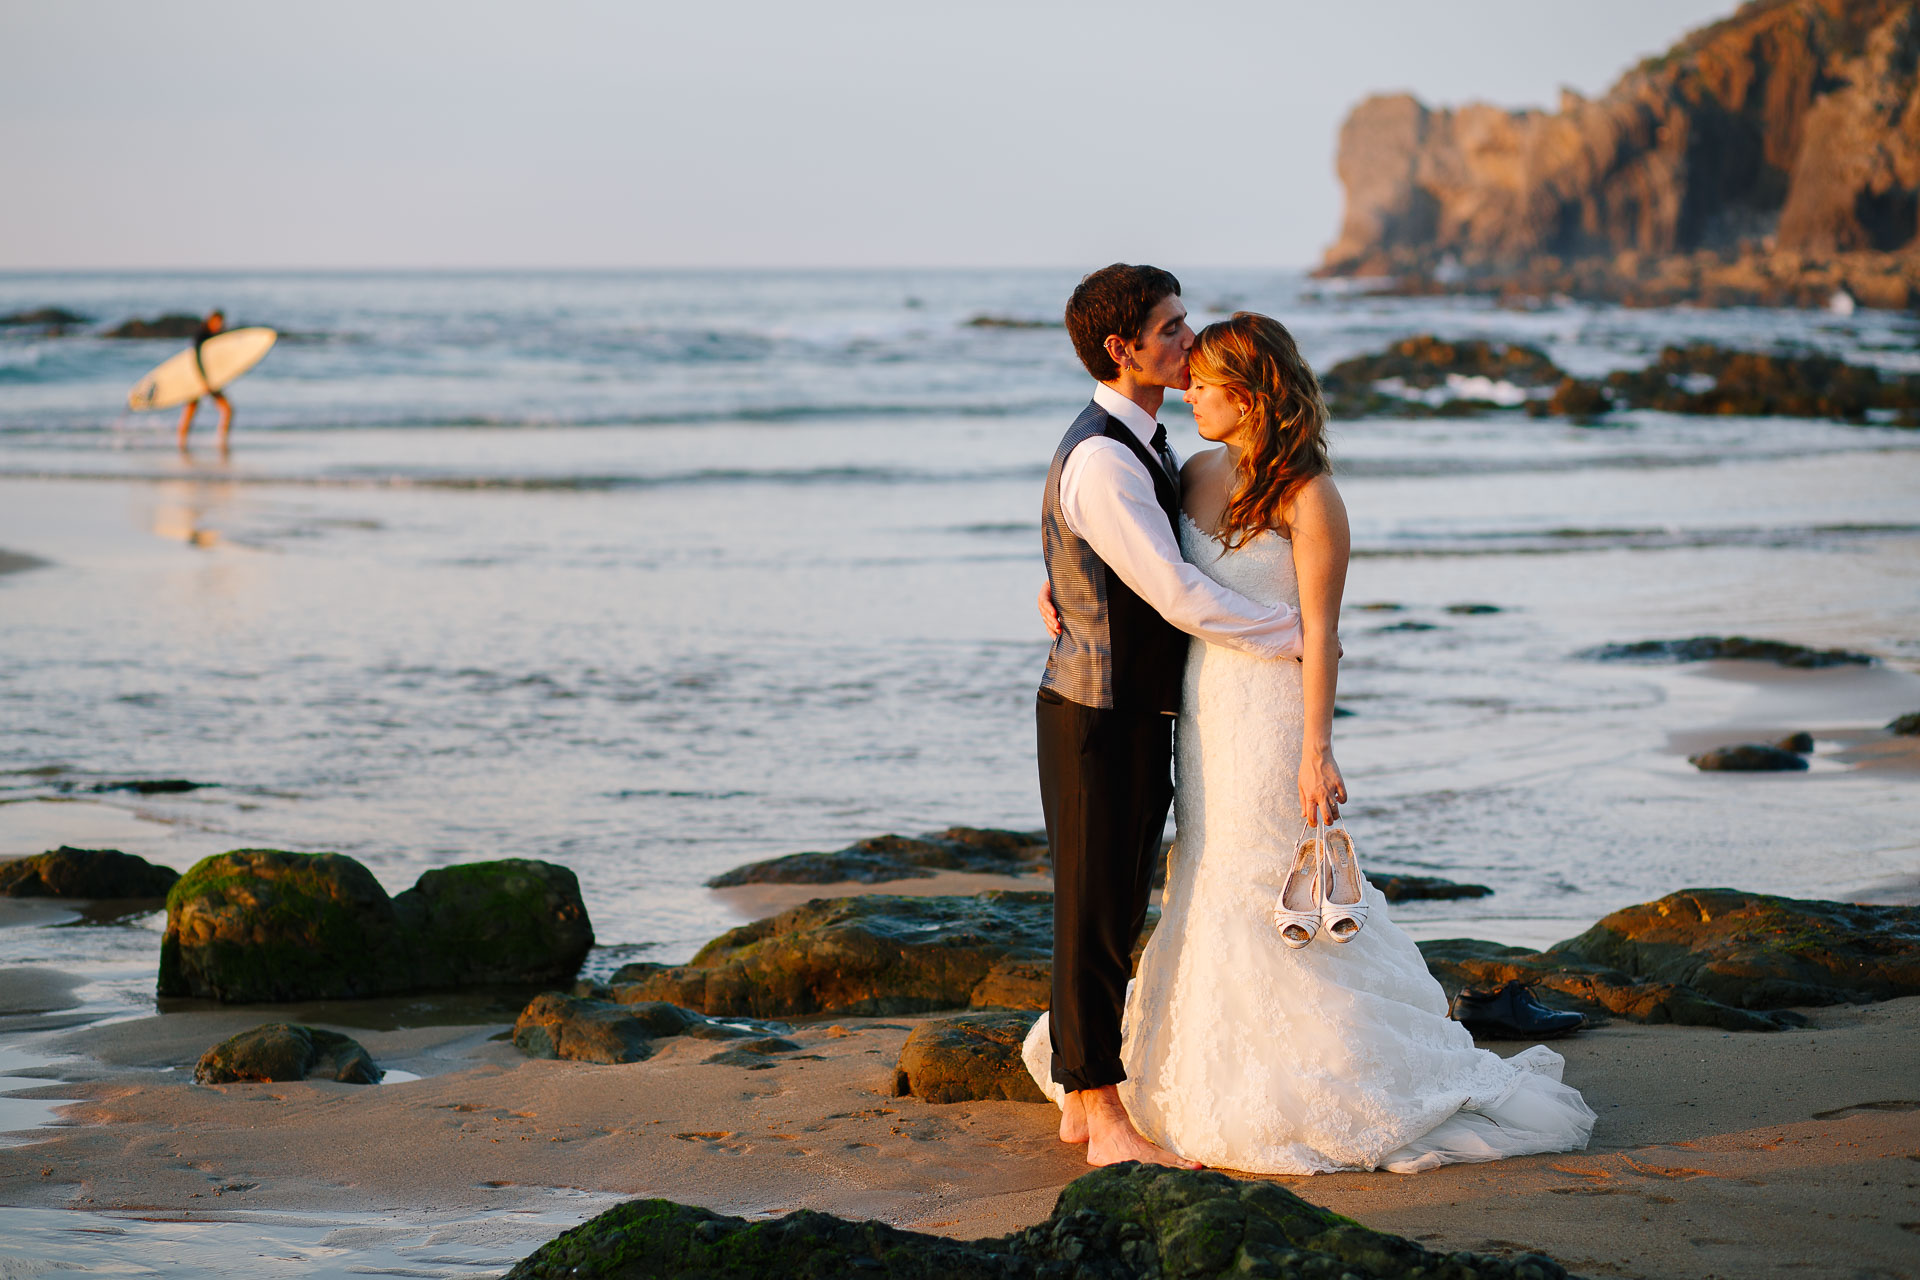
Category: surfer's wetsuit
[199,340]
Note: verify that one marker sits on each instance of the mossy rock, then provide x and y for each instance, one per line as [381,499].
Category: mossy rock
[94,874]
[1758,951]
[972,1058]
[876,954]
[1127,1222]
[514,920]
[287,1051]
[256,925]
[1749,757]
[1727,649]
[881,858]
[1907,724]
[1420,888]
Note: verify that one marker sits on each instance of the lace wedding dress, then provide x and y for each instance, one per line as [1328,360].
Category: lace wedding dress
[1244,1054]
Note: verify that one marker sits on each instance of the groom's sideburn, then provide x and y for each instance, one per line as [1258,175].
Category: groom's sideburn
[1105,787]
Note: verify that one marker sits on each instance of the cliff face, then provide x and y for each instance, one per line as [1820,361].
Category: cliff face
[1773,154]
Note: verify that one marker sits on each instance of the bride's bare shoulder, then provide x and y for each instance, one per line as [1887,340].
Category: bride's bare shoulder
[1316,508]
[1203,486]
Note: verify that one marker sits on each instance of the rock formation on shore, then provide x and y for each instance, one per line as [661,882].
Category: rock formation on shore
[264,924]
[1131,1221]
[94,874]
[1769,158]
[287,1051]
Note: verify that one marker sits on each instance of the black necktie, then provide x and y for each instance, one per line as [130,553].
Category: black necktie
[1162,452]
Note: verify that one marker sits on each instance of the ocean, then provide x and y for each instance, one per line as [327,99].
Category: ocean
[654,573]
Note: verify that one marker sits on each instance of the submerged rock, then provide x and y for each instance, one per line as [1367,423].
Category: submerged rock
[1126,1222]
[46,320]
[890,857]
[1715,648]
[1749,757]
[1413,888]
[287,1051]
[974,1057]
[873,954]
[99,874]
[754,1055]
[265,924]
[1907,724]
[174,324]
[1708,957]
[1800,743]
[150,786]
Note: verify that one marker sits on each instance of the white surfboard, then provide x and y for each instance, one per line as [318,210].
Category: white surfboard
[226,355]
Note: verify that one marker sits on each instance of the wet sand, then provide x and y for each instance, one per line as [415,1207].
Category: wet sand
[1716,1155]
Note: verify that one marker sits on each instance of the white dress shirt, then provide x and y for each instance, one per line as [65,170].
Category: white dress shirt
[1107,498]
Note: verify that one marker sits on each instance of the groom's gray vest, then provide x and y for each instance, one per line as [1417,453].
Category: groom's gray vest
[1114,649]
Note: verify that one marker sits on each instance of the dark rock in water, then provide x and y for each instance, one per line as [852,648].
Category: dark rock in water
[875,954]
[1126,1222]
[1339,711]
[1381,606]
[150,786]
[48,320]
[974,1057]
[1474,608]
[1013,322]
[513,920]
[286,1051]
[1706,379]
[98,874]
[1425,362]
[172,325]
[265,924]
[1708,957]
[1801,743]
[1907,724]
[1412,888]
[1574,398]
[1749,757]
[1410,624]
[1712,648]
[900,858]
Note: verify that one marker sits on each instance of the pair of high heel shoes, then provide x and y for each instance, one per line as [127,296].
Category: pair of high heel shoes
[1324,889]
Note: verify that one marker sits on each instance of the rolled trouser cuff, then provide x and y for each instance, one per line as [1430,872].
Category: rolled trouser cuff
[1093,1075]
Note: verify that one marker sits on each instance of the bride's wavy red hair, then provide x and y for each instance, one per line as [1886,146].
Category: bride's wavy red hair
[1254,356]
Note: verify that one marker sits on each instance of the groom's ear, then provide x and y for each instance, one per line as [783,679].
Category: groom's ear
[1119,350]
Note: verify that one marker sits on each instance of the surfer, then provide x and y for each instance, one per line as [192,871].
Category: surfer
[214,323]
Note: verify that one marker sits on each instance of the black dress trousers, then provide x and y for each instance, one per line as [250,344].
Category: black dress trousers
[1105,783]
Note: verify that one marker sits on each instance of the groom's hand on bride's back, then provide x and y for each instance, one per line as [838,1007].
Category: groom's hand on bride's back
[1049,616]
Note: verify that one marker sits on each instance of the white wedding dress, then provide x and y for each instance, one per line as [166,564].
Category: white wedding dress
[1244,1054]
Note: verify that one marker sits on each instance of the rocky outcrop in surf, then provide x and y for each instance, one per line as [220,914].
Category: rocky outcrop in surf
[93,874]
[267,925]
[972,1058]
[1768,158]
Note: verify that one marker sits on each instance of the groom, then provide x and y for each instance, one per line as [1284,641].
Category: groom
[1125,604]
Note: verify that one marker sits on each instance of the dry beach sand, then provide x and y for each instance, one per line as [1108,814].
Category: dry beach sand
[1736,1155]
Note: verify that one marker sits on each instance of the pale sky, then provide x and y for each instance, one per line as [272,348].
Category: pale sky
[424,133]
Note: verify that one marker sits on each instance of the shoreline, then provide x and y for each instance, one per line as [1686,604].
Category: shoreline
[1801,1164]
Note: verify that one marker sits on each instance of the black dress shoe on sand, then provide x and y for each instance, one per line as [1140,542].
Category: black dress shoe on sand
[1509,1012]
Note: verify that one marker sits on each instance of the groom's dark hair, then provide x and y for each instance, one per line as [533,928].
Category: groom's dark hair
[1116,299]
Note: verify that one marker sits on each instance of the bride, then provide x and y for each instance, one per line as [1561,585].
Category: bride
[1242,1050]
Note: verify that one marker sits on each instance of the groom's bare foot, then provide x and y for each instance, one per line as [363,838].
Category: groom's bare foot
[1073,1119]
[1112,1139]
